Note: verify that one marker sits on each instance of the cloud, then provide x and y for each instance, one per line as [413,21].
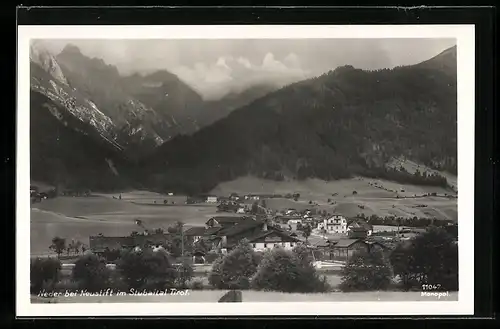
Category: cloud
[228,74]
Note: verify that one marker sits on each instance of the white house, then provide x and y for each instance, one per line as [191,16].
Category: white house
[294,221]
[334,224]
[212,199]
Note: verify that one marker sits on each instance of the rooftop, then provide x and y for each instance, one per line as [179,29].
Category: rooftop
[269,232]
[240,227]
[195,231]
[345,243]
[230,219]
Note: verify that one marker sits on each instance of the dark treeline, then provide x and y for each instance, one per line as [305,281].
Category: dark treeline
[401,175]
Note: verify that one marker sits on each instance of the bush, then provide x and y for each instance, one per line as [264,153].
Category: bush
[234,270]
[197,285]
[66,284]
[288,271]
[91,273]
[146,269]
[44,274]
[366,270]
[211,256]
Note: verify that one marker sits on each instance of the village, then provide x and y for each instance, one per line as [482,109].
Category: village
[332,238]
[204,230]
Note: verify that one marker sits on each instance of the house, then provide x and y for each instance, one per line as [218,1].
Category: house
[195,233]
[334,224]
[359,225]
[259,234]
[226,221]
[101,244]
[345,248]
[230,235]
[273,238]
[33,190]
[357,232]
[152,239]
[211,199]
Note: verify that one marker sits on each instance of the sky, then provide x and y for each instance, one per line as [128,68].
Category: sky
[216,67]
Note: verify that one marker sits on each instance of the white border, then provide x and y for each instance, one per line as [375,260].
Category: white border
[465,65]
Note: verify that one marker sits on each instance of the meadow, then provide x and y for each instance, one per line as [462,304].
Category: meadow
[388,199]
[79,217]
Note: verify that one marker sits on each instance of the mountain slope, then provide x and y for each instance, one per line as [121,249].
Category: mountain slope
[139,112]
[343,123]
[69,152]
[218,109]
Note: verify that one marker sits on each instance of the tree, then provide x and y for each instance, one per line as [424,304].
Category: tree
[91,273]
[306,232]
[146,269]
[432,259]
[255,207]
[44,271]
[263,203]
[366,270]
[400,259]
[233,271]
[185,273]
[58,245]
[288,271]
[77,245]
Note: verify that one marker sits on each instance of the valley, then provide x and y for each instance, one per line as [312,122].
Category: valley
[80,217]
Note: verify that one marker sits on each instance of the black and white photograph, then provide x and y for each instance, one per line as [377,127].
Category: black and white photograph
[258,165]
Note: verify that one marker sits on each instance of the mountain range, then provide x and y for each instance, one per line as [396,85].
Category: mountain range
[155,131]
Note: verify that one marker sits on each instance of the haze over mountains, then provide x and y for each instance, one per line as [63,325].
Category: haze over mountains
[90,123]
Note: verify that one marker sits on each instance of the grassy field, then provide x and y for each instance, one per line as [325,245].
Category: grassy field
[368,200]
[212,296]
[79,217]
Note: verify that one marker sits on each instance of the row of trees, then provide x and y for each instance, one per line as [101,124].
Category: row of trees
[59,246]
[401,175]
[430,259]
[412,221]
[145,269]
[276,270]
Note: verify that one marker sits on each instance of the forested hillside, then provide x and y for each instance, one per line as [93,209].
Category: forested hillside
[346,122]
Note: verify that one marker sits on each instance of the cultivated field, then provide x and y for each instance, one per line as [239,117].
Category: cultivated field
[369,199]
[80,217]
[212,296]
